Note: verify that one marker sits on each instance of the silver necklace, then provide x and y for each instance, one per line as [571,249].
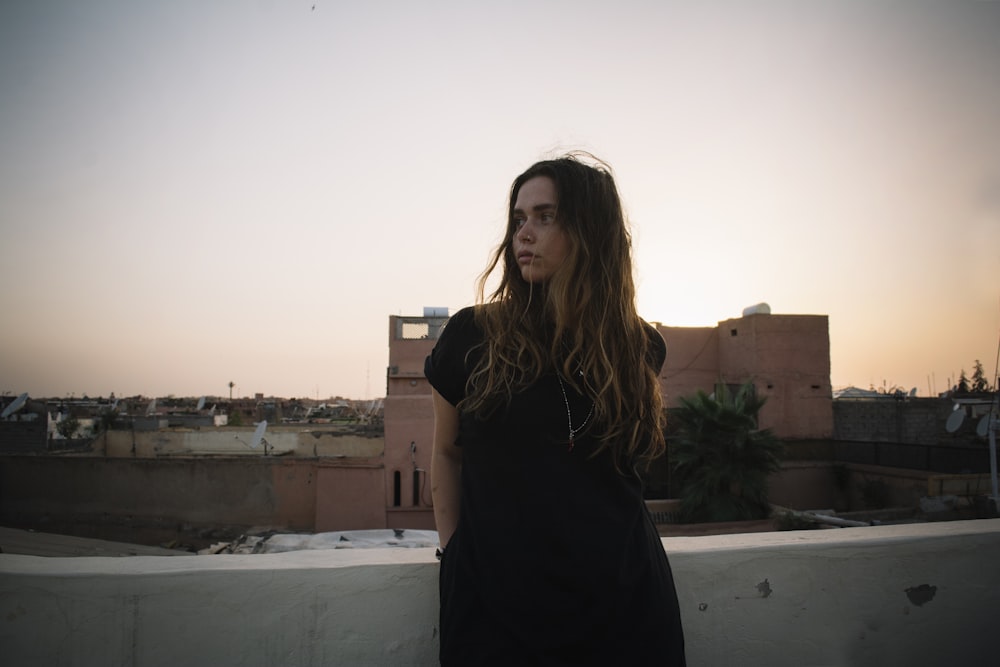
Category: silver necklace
[573,432]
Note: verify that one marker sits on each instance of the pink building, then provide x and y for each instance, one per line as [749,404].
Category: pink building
[786,356]
[409,420]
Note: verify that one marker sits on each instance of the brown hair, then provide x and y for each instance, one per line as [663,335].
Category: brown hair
[583,318]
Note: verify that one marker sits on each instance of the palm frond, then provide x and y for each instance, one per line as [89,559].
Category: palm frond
[721,456]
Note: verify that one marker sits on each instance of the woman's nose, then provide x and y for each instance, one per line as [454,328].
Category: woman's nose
[523,232]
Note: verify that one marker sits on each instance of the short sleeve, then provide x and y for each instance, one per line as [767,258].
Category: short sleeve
[448,365]
[656,354]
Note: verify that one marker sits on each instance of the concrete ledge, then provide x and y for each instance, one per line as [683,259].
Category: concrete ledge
[920,594]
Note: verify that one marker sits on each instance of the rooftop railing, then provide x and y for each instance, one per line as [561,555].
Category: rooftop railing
[915,595]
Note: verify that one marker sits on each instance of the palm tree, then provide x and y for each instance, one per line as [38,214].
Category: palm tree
[721,457]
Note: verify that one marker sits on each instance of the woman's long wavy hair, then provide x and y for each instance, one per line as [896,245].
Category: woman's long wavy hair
[582,319]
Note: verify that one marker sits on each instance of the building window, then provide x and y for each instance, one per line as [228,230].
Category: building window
[414,330]
[419,328]
[397,491]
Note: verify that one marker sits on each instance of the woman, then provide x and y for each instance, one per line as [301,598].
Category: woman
[546,400]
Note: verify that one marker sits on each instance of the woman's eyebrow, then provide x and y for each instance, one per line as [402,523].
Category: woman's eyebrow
[537,208]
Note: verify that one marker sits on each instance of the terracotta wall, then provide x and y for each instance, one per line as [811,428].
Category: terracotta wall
[692,361]
[349,498]
[786,356]
[409,422]
[120,498]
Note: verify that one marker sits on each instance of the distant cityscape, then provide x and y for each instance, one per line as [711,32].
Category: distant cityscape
[198,470]
[83,417]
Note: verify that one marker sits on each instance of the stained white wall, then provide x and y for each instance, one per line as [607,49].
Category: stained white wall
[921,594]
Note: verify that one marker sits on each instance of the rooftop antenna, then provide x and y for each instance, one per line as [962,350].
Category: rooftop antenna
[258,438]
[14,406]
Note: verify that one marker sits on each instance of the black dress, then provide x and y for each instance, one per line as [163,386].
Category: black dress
[555,560]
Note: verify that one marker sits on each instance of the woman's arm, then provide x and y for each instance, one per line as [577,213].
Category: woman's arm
[446,468]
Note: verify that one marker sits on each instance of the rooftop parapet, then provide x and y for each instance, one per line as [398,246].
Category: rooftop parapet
[919,595]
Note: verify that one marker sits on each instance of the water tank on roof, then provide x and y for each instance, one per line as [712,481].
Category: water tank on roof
[757,309]
[435,311]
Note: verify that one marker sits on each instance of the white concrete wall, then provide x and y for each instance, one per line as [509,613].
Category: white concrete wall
[234,441]
[914,595]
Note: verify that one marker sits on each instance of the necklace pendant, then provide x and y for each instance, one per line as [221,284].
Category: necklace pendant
[569,416]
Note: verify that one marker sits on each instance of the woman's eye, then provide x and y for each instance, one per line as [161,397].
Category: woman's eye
[548,217]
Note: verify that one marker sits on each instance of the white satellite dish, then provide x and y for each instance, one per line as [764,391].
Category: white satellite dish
[913,392]
[955,420]
[258,435]
[14,406]
[151,408]
[983,427]
[201,404]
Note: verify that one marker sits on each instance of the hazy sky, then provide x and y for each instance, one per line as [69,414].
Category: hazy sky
[193,193]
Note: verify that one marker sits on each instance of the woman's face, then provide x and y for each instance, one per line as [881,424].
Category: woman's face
[540,243]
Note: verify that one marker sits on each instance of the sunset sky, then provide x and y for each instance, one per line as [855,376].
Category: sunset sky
[193,193]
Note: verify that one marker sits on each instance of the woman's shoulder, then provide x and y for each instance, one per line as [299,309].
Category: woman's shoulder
[448,365]
[463,322]
[473,318]
[463,314]
[462,331]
